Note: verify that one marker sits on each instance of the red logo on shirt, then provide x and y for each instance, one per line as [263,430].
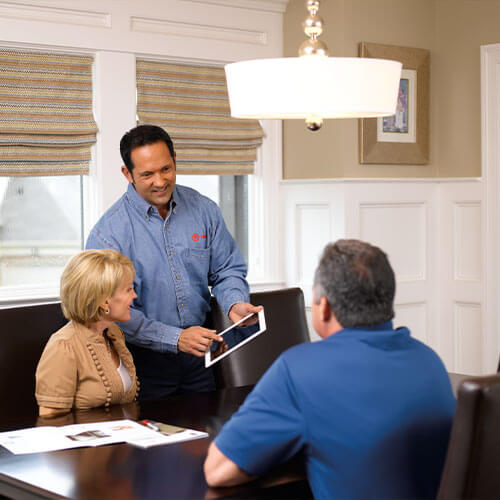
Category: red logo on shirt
[196,236]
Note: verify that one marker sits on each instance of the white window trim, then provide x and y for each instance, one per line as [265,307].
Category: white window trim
[266,269]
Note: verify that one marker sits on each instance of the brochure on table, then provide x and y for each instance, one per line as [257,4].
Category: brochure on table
[41,439]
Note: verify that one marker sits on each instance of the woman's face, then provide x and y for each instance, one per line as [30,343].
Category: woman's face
[119,304]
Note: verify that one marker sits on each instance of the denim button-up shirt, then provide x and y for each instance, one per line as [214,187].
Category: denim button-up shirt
[175,260]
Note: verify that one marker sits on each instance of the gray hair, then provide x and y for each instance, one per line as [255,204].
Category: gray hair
[358,282]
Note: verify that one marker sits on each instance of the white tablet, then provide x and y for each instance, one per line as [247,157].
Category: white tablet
[235,336]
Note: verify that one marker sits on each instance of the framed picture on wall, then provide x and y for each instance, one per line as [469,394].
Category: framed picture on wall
[403,138]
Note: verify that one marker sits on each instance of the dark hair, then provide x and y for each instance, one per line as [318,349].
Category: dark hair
[142,136]
[358,282]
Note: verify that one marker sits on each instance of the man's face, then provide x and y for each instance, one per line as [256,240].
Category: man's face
[153,175]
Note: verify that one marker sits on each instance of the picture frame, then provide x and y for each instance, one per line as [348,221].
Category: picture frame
[402,139]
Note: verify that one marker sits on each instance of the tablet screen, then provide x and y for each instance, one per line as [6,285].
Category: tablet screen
[235,336]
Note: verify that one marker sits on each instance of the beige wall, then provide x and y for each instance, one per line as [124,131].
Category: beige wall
[453,30]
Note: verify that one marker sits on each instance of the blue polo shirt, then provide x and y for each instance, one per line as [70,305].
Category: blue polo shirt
[370,409]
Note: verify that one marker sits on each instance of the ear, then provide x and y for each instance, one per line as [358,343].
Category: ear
[175,160]
[104,305]
[325,312]
[127,174]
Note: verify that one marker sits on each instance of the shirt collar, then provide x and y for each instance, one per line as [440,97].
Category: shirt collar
[361,331]
[88,334]
[141,205]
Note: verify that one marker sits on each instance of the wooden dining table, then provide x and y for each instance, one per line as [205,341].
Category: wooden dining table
[124,472]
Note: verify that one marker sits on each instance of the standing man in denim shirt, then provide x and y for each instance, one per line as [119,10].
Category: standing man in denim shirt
[179,244]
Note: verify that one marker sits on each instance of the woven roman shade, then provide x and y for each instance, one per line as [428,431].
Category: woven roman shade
[191,104]
[46,122]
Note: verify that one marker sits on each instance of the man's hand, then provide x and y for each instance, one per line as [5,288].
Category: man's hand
[242,309]
[196,340]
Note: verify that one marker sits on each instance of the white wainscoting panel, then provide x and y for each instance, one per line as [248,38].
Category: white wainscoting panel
[311,220]
[414,317]
[468,338]
[433,233]
[399,218]
[462,287]
[309,241]
[400,229]
[467,241]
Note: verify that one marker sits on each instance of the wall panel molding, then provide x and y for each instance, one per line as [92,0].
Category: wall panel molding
[421,225]
[55,15]
[189,30]
[467,236]
[400,229]
[468,337]
[413,315]
[265,5]
[309,241]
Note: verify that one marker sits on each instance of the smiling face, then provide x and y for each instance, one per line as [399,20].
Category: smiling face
[153,175]
[119,304]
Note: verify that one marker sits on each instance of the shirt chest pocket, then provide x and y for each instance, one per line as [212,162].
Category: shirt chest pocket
[197,263]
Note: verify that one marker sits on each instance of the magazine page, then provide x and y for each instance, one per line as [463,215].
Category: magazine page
[165,434]
[40,439]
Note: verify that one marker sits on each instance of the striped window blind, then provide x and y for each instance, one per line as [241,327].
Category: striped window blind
[191,104]
[46,122]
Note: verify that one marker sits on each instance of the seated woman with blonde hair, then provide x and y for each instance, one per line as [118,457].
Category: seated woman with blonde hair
[86,363]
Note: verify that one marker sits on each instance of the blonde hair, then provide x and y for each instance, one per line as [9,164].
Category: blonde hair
[90,278]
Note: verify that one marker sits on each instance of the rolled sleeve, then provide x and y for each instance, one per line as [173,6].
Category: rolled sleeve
[149,333]
[56,376]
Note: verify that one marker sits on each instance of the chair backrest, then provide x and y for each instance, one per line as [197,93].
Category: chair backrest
[286,326]
[25,331]
[472,468]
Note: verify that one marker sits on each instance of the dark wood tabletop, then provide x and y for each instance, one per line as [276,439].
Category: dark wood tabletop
[123,472]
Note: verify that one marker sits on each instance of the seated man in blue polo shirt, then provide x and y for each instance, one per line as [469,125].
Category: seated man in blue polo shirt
[369,407]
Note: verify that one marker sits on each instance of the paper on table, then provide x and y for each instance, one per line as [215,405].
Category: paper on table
[40,439]
[166,434]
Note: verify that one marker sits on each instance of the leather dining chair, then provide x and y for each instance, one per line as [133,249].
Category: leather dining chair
[286,326]
[471,470]
[25,331]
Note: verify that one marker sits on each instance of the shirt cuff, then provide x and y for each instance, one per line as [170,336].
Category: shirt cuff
[59,402]
[232,299]
[169,338]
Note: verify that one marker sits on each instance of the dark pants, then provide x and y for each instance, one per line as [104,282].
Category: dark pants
[165,374]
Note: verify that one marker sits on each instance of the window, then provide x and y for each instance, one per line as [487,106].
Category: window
[46,135]
[230,192]
[41,225]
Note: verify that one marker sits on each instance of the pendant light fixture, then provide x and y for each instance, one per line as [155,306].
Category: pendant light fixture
[313,86]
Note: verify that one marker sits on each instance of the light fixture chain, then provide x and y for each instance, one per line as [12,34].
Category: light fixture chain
[313,28]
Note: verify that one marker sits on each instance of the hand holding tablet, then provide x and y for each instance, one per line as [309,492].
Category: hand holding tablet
[236,336]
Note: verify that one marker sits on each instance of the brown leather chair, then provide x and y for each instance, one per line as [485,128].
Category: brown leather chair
[25,331]
[286,326]
[472,470]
